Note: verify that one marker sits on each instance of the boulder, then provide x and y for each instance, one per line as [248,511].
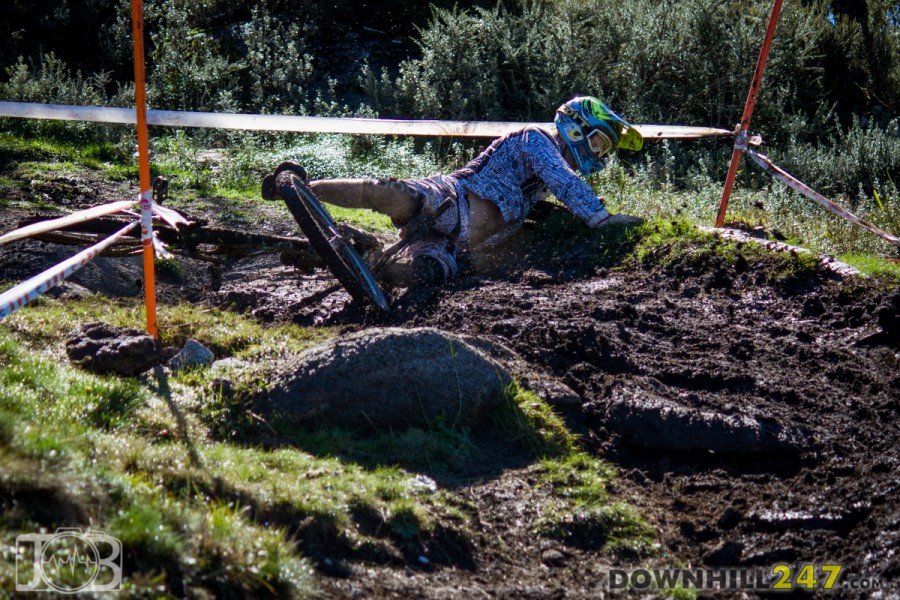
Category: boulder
[388,379]
[105,348]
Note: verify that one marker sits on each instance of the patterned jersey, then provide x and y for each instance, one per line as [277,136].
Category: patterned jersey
[517,171]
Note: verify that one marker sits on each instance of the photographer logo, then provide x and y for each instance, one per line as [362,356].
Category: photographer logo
[68,561]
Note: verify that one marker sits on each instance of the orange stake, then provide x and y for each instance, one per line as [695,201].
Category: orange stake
[146,200]
[748,112]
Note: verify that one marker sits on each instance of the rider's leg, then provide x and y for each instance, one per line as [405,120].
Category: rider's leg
[394,198]
[428,261]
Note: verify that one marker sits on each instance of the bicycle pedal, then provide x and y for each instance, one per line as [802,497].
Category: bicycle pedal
[269,191]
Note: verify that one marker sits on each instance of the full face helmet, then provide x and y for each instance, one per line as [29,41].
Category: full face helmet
[590,129]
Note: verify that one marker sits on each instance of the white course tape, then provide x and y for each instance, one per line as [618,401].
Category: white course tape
[27,291]
[795,184]
[77,217]
[172,118]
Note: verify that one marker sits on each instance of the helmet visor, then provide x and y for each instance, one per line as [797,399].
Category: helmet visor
[599,143]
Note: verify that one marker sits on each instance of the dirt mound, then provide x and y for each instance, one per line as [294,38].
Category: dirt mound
[389,379]
[731,357]
[647,421]
[774,389]
[104,348]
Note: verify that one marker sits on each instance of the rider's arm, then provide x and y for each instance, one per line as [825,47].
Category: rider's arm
[562,181]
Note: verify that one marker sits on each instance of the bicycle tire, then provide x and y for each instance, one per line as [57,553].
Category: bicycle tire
[344,262]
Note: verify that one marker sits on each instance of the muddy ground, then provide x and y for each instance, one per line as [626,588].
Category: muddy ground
[800,354]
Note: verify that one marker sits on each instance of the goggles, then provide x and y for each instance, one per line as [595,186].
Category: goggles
[599,143]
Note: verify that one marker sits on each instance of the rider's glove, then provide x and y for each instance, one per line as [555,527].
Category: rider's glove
[619,218]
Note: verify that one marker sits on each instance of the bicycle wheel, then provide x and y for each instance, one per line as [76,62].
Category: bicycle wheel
[339,256]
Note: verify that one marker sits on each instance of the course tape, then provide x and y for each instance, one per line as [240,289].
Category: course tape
[792,182]
[307,124]
[27,291]
[72,219]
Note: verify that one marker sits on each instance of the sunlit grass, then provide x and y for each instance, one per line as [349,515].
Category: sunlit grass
[583,514]
[528,420]
[131,455]
[770,206]
[874,266]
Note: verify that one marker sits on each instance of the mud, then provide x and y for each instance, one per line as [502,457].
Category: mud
[753,416]
[759,416]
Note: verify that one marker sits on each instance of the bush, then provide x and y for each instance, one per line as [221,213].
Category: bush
[862,161]
[654,60]
[277,65]
[190,70]
[53,82]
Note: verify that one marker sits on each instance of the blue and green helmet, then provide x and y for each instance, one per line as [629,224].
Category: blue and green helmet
[590,129]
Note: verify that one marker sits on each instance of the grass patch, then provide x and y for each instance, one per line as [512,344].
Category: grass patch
[526,419]
[577,477]
[874,266]
[615,529]
[18,149]
[37,386]
[643,192]
[48,321]
[363,218]
[582,514]
[434,450]
[131,456]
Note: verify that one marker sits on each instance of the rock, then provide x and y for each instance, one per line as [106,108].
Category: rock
[68,290]
[729,518]
[888,314]
[553,558]
[104,348]
[725,554]
[646,420]
[193,355]
[388,379]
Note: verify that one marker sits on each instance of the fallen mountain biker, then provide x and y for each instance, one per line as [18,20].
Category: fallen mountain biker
[494,193]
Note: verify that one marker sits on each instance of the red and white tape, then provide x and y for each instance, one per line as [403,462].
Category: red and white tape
[792,182]
[27,291]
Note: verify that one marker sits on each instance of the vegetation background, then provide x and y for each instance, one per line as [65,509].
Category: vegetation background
[828,109]
[227,518]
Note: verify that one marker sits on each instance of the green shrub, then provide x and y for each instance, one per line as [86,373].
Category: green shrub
[277,63]
[51,81]
[656,61]
[191,69]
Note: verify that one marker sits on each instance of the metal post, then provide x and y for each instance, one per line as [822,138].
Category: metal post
[146,200]
[748,111]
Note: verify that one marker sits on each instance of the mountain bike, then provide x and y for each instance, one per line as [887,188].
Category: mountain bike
[354,257]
